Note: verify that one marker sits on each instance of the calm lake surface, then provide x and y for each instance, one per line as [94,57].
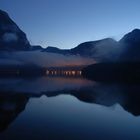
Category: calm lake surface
[60,108]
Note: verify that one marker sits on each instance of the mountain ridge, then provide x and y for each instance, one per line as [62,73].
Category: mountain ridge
[12,38]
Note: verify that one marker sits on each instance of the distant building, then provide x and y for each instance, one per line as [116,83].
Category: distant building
[64,71]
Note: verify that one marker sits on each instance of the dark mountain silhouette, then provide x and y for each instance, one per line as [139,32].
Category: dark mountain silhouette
[126,68]
[117,60]
[113,72]
[131,46]
[128,48]
[11,105]
[51,49]
[107,50]
[11,37]
[99,50]
[90,48]
[37,47]
[132,38]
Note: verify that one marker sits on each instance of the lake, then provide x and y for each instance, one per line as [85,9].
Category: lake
[68,108]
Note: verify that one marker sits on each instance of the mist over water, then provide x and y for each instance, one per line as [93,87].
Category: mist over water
[44,59]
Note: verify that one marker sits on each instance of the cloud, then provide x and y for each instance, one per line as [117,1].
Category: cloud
[48,59]
[10,37]
[8,61]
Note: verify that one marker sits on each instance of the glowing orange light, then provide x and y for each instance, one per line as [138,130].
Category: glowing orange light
[55,72]
[47,72]
[73,72]
[67,72]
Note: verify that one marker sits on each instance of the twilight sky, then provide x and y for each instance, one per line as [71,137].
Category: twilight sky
[66,23]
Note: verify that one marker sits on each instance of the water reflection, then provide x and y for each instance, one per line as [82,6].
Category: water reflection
[10,106]
[15,94]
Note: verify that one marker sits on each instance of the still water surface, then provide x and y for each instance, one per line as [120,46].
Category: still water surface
[57,108]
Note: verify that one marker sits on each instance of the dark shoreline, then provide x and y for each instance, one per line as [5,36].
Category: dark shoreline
[113,72]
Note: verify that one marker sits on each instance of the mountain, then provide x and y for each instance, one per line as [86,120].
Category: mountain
[132,38]
[99,50]
[126,68]
[113,72]
[131,46]
[51,49]
[10,107]
[36,47]
[106,50]
[11,36]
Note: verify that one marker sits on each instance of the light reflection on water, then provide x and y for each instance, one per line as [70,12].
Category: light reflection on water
[68,108]
[45,84]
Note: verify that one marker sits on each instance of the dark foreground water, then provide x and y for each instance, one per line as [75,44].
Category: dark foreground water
[68,109]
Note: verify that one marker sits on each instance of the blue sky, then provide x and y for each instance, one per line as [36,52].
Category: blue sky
[66,23]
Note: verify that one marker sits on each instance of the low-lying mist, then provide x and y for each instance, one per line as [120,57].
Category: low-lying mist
[44,59]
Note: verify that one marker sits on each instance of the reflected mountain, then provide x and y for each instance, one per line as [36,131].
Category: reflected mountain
[11,105]
[128,96]
[13,100]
